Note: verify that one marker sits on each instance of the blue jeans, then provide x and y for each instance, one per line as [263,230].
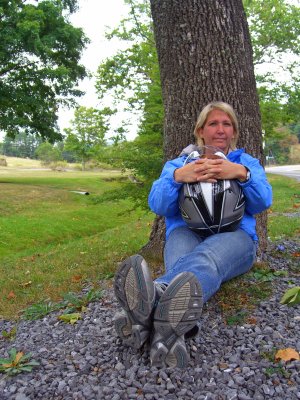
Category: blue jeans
[213,260]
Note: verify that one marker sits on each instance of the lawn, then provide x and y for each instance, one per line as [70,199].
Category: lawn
[54,240]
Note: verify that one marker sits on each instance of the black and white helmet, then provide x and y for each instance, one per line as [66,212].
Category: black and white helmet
[210,208]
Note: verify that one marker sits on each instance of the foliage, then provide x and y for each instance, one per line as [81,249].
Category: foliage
[11,334]
[70,318]
[39,56]
[71,302]
[41,309]
[74,302]
[280,145]
[267,274]
[17,362]
[133,75]
[47,153]
[291,297]
[22,145]
[87,133]
[275,34]
[142,158]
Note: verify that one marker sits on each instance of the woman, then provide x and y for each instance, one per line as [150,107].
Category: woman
[168,309]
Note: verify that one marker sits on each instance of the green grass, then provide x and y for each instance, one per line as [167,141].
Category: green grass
[283,216]
[54,241]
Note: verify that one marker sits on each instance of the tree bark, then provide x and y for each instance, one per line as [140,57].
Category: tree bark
[205,54]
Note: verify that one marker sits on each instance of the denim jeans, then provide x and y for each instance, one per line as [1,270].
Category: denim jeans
[213,260]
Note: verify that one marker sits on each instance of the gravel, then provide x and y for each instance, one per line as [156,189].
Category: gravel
[87,361]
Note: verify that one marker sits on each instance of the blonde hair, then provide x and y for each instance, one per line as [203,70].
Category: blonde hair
[217,105]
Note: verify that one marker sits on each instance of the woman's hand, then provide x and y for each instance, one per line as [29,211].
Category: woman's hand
[208,170]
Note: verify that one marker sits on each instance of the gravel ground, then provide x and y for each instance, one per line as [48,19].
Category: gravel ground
[87,361]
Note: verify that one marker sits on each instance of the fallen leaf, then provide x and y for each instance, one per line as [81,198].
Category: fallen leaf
[18,357]
[288,354]
[76,278]
[70,318]
[11,295]
[291,296]
[252,320]
[295,254]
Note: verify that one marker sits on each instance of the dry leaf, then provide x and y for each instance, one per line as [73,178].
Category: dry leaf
[252,320]
[287,355]
[18,357]
[296,254]
[11,295]
[76,278]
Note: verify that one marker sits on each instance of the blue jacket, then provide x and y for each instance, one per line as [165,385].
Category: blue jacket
[163,197]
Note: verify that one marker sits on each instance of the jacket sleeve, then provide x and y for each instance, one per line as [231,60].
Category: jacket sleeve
[163,197]
[257,190]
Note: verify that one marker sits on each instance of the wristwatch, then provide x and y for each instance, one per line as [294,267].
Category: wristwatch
[248,176]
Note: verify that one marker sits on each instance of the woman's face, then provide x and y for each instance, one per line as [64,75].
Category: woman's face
[218,130]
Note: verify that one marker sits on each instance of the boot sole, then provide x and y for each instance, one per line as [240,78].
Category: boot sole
[177,312]
[135,292]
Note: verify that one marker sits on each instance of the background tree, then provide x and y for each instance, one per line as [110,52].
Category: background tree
[275,33]
[131,77]
[21,146]
[48,153]
[39,64]
[87,133]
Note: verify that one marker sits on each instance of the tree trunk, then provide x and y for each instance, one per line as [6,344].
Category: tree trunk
[205,54]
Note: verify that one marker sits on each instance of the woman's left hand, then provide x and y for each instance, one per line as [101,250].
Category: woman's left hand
[222,169]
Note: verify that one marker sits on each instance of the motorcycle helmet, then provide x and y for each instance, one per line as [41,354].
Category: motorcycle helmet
[210,208]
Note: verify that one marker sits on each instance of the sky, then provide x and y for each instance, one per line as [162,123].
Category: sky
[94,17]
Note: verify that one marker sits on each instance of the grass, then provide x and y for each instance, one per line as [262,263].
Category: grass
[283,216]
[54,241]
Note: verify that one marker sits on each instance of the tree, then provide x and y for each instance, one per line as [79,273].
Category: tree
[132,76]
[87,133]
[275,33]
[21,146]
[205,54]
[39,64]
[47,153]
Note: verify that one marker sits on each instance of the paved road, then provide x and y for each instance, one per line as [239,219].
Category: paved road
[293,171]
